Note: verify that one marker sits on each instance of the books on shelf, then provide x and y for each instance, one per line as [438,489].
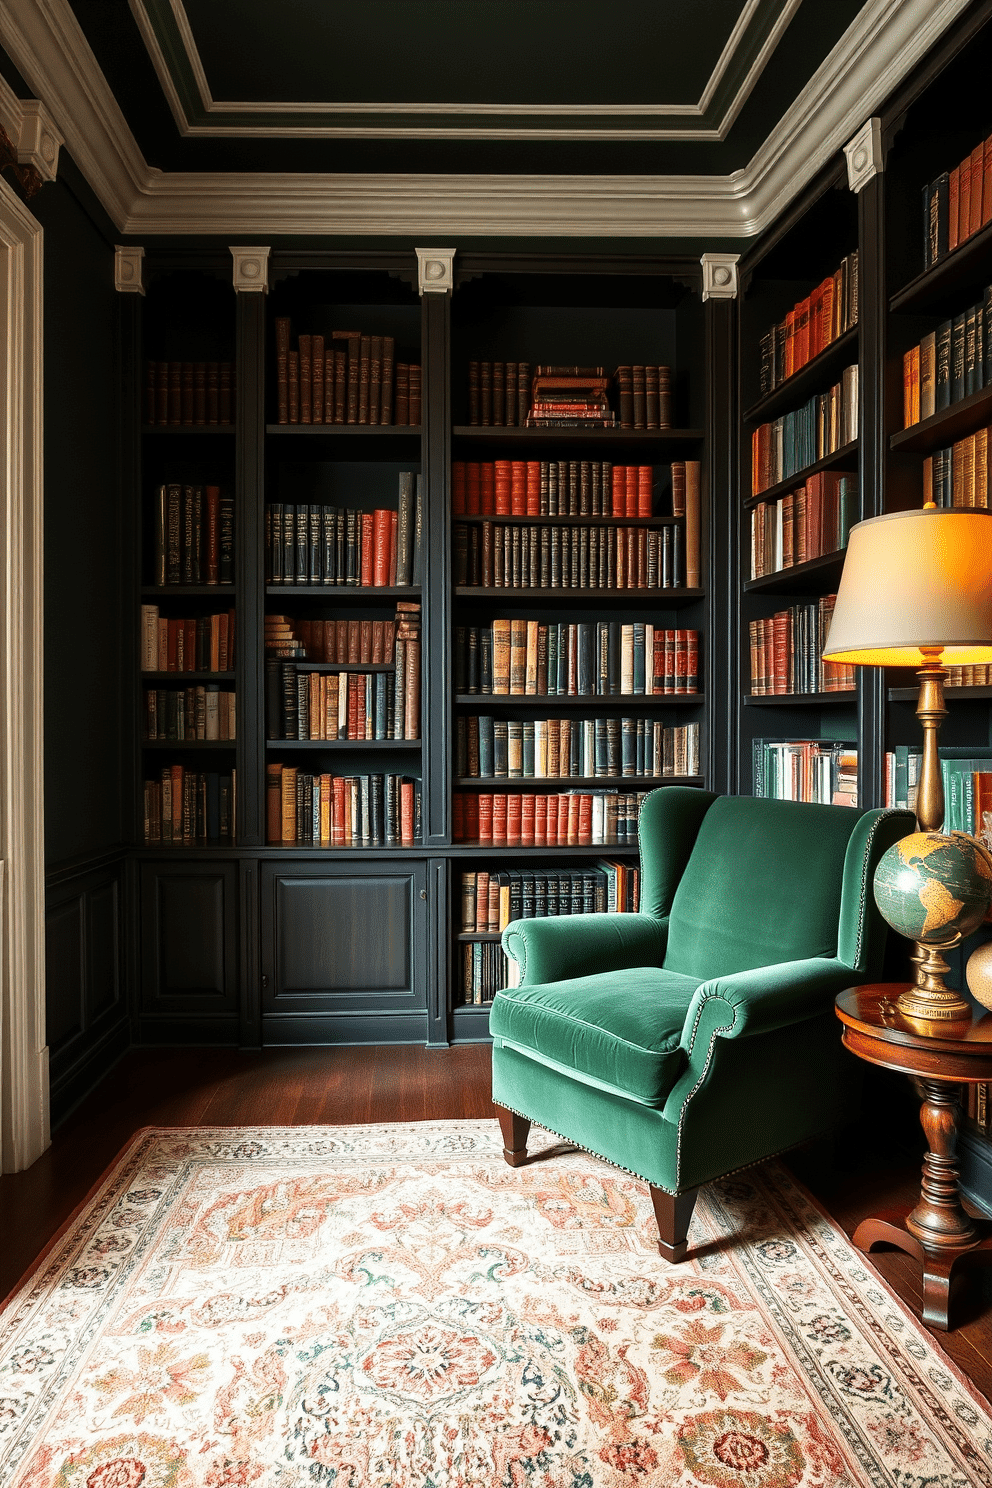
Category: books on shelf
[786,445]
[506,556]
[806,770]
[196,713]
[486,971]
[568,819]
[811,325]
[901,776]
[190,808]
[310,544]
[949,363]
[957,204]
[807,523]
[644,397]
[959,474]
[786,652]
[526,658]
[348,377]
[551,488]
[204,643]
[487,747]
[179,393]
[193,535]
[507,395]
[491,901]
[325,810]
[369,641]
[569,397]
[969,676]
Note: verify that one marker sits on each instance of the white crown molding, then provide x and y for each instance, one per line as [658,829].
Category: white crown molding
[881,46]
[219,111]
[719,275]
[435,270]
[251,270]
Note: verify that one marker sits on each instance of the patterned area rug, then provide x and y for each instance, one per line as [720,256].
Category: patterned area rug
[394,1307]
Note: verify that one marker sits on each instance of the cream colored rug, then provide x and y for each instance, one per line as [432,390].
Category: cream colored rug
[394,1307]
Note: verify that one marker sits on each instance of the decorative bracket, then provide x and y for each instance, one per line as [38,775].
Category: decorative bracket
[864,154]
[251,269]
[39,140]
[437,272]
[719,275]
[127,270]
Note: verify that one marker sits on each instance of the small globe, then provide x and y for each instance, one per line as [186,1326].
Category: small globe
[933,887]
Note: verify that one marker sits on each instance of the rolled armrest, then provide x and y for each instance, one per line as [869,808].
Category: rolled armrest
[584,945]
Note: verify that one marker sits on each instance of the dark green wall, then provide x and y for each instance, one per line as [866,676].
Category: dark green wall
[83,561]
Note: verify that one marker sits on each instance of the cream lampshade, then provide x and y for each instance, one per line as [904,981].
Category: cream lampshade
[917,591]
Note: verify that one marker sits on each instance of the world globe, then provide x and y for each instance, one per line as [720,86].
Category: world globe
[934,887]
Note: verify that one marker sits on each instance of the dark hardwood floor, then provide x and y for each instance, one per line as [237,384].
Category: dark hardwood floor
[289,1087]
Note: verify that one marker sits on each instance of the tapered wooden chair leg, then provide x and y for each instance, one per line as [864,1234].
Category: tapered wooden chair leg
[514,1129]
[673,1213]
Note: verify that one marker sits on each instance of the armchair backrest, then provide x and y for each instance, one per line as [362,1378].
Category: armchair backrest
[750,882]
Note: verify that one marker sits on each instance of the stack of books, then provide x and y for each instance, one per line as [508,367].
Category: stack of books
[811,325]
[570,397]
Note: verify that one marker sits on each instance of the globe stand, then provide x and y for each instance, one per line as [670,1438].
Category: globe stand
[931,999]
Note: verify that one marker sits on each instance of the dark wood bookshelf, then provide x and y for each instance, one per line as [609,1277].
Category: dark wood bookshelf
[628,700]
[189,429]
[815,377]
[947,424]
[196,591]
[801,578]
[354,745]
[799,699]
[979,694]
[182,677]
[349,593]
[302,665]
[485,935]
[596,850]
[348,431]
[197,744]
[581,521]
[952,283]
[575,782]
[576,598]
[647,440]
[842,456]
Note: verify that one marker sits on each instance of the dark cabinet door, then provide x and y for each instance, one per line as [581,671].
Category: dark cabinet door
[344,952]
[189,950]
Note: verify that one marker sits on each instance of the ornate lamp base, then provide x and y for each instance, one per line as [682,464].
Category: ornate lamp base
[931,999]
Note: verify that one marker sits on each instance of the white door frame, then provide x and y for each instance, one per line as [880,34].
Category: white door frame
[24,1116]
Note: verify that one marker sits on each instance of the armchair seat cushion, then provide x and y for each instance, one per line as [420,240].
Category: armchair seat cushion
[620,1029]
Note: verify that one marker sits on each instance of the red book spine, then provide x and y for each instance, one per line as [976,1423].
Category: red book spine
[393,526]
[681,661]
[533,488]
[502,489]
[458,493]
[486,804]
[473,489]
[487,493]
[645,480]
[368,549]
[585,819]
[527,821]
[406,813]
[514,818]
[458,817]
[619,490]
[630,493]
[380,548]
[572,819]
[499,820]
[540,821]
[518,488]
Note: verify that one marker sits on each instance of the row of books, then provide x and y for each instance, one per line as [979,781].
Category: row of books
[568,398]
[346,378]
[959,474]
[811,325]
[189,392]
[201,643]
[308,544]
[491,901]
[345,705]
[900,776]
[190,808]
[786,445]
[551,488]
[804,524]
[949,363]
[806,770]
[957,204]
[558,748]
[306,810]
[969,676]
[346,641]
[786,652]
[193,529]
[204,712]
[604,658]
[502,555]
[569,819]
[486,971]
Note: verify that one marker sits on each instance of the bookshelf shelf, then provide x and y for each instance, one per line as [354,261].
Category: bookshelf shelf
[196,429]
[301,665]
[181,678]
[948,285]
[800,699]
[842,456]
[810,379]
[197,591]
[354,746]
[947,425]
[345,431]
[576,598]
[548,521]
[574,782]
[959,694]
[346,593]
[550,702]
[647,441]
[801,578]
[466,938]
[197,744]
[596,850]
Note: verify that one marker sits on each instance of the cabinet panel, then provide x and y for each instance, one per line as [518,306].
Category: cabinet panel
[189,938]
[342,944]
[64,961]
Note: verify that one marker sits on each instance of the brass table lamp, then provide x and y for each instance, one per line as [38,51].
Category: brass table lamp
[917,591]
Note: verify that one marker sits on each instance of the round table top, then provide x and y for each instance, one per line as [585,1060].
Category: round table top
[875,1030]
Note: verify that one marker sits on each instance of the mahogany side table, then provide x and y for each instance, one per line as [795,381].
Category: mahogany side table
[938,1231]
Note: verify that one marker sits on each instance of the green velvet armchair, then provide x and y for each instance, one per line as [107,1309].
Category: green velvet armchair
[697,1036]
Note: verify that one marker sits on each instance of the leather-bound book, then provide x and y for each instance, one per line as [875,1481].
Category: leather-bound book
[415,394]
[293,364]
[474,406]
[388,379]
[499,394]
[225,394]
[638,397]
[375,380]
[199,392]
[486,393]
[317,379]
[282,332]
[175,392]
[306,378]
[364,377]
[401,414]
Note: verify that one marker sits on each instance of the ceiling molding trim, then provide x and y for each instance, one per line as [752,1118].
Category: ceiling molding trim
[883,45]
[29,127]
[171,46]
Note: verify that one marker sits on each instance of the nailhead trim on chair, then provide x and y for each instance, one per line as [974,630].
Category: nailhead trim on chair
[864,884]
[723,1028]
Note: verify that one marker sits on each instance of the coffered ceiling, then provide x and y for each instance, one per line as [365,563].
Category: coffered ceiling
[572,117]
